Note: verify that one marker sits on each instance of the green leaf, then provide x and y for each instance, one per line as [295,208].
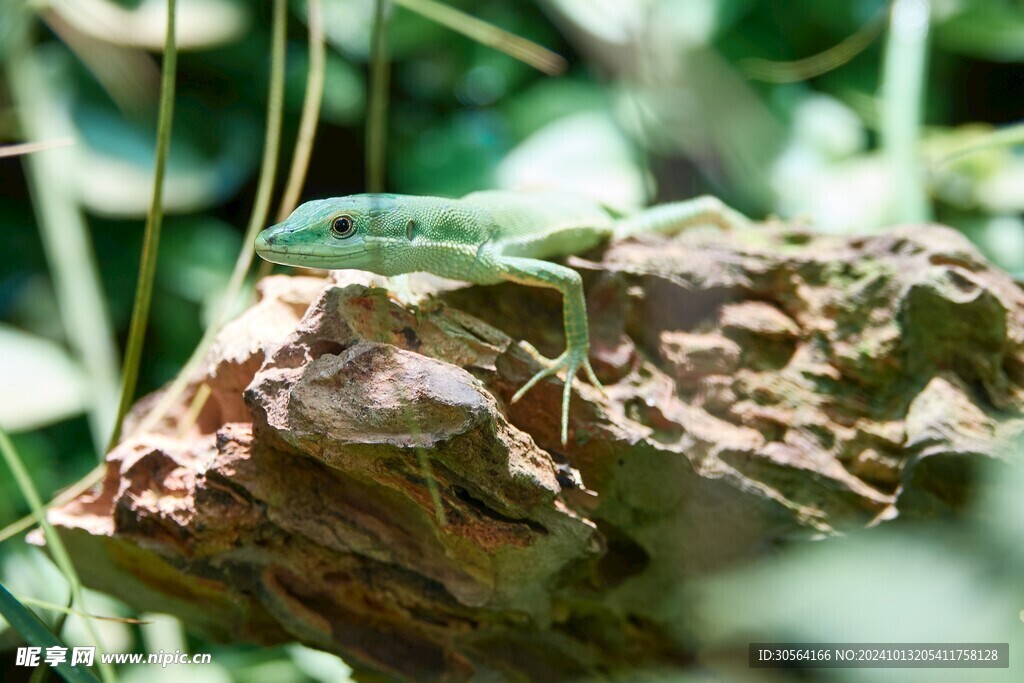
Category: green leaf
[202,24]
[36,634]
[209,160]
[585,154]
[42,384]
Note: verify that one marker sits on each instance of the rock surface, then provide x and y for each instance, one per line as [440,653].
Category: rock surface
[357,479]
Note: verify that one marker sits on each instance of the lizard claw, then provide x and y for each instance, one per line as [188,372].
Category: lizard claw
[571,361]
[593,378]
[532,351]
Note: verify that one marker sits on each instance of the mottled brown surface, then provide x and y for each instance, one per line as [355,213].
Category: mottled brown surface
[762,385]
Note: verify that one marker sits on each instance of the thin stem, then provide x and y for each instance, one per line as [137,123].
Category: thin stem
[902,95]
[34,147]
[524,50]
[1004,137]
[820,63]
[268,167]
[65,496]
[151,240]
[261,207]
[310,111]
[377,112]
[307,122]
[194,409]
[43,604]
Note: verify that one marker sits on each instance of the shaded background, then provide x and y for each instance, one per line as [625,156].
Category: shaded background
[661,100]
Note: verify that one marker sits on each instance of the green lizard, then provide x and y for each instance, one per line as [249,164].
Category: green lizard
[483,238]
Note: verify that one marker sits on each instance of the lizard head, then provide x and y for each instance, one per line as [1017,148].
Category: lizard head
[341,232]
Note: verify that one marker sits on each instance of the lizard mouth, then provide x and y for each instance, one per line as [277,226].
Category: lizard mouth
[310,255]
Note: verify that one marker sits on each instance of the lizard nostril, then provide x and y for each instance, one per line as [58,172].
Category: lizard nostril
[271,239]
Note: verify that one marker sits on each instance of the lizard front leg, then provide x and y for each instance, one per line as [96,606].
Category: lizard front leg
[538,273]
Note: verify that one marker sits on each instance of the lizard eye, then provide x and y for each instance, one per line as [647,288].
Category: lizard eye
[343,226]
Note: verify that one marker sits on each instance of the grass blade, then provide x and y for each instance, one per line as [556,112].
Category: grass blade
[53,540]
[33,147]
[499,39]
[261,207]
[36,634]
[308,120]
[818,64]
[63,230]
[65,496]
[310,111]
[1010,136]
[151,240]
[377,112]
[68,611]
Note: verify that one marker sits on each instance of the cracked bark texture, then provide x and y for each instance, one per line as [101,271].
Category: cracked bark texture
[763,385]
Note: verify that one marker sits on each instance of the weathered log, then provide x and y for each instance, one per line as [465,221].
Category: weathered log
[761,385]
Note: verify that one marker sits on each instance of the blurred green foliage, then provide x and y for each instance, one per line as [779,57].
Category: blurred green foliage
[658,103]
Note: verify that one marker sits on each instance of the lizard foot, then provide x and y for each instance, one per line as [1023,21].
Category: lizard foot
[571,361]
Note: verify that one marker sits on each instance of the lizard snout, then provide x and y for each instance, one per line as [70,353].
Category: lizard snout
[264,241]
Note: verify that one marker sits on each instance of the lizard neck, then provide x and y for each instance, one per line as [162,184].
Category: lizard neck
[435,235]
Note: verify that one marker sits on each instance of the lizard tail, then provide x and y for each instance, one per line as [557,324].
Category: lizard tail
[669,219]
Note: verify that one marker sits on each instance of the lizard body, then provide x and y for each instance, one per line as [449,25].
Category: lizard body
[483,238]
